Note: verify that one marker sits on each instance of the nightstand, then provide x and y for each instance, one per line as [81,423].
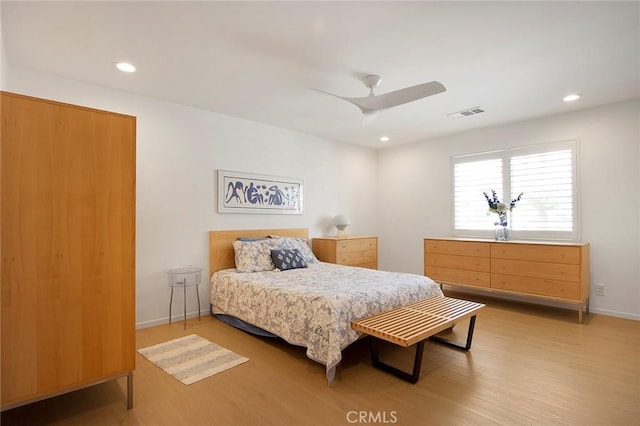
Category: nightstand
[351,251]
[183,278]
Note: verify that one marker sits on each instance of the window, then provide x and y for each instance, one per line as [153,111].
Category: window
[545,173]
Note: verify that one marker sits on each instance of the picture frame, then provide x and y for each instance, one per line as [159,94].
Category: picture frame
[241,192]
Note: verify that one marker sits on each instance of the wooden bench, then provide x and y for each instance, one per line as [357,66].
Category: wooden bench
[413,324]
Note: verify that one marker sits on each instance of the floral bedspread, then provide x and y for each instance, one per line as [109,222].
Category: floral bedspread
[313,307]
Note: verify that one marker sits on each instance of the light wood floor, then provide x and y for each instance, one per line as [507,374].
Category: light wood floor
[527,365]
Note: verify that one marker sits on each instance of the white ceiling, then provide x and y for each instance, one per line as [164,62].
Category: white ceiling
[258,60]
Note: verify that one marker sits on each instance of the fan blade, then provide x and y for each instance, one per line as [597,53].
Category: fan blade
[408,94]
[398,97]
[375,103]
[359,102]
[366,105]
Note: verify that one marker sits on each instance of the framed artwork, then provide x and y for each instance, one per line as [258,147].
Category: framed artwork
[240,192]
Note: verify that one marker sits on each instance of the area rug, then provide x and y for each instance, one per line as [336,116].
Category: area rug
[191,358]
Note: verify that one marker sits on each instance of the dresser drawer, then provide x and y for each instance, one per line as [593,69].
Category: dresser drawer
[356,244]
[536,252]
[537,286]
[351,251]
[458,276]
[523,268]
[461,248]
[469,263]
[370,265]
[356,257]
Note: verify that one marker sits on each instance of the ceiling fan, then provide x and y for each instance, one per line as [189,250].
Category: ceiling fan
[372,105]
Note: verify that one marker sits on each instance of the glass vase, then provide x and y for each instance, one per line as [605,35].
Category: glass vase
[501,228]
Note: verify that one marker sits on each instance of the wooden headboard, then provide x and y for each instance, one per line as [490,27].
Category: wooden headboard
[221,255]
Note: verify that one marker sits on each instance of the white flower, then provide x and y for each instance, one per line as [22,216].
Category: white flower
[501,208]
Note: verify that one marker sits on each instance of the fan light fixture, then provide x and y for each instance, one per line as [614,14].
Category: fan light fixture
[341,222]
[369,117]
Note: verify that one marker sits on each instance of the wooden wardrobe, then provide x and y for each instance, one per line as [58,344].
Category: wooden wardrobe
[68,248]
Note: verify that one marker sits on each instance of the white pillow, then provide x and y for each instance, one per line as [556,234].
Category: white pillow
[254,256]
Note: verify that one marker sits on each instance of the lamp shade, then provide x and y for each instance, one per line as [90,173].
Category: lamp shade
[341,221]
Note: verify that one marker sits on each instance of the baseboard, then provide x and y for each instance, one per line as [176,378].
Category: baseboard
[174,318]
[607,312]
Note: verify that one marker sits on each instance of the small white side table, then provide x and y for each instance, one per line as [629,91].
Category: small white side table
[184,277]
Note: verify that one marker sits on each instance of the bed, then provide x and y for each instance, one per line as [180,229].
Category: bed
[310,306]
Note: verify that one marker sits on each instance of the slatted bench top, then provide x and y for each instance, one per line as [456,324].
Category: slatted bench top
[418,321]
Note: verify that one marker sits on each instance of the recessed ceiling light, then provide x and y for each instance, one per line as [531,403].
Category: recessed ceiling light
[125,67]
[572,97]
[384,139]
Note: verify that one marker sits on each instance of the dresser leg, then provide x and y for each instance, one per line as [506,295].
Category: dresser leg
[130,390]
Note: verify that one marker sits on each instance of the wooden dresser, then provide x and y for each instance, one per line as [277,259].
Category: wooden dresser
[352,251]
[68,248]
[546,270]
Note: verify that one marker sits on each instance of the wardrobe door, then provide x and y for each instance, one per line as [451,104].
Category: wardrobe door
[68,229]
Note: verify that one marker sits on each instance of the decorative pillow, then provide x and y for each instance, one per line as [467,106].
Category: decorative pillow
[300,244]
[254,256]
[287,259]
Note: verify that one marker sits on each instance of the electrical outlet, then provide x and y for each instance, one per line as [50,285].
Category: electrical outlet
[599,289]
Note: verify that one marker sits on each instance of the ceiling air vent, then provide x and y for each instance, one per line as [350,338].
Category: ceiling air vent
[466,112]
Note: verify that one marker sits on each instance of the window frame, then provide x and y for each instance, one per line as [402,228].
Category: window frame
[505,155]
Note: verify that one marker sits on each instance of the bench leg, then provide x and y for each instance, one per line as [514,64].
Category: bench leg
[417,362]
[410,377]
[467,346]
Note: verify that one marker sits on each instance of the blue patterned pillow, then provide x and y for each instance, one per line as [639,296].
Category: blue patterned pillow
[292,243]
[288,259]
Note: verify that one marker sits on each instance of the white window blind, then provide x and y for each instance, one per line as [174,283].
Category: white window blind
[470,180]
[545,174]
[547,181]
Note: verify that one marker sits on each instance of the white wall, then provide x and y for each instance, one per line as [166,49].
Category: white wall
[419,176]
[3,59]
[178,151]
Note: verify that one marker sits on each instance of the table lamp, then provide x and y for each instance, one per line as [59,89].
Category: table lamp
[341,222]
